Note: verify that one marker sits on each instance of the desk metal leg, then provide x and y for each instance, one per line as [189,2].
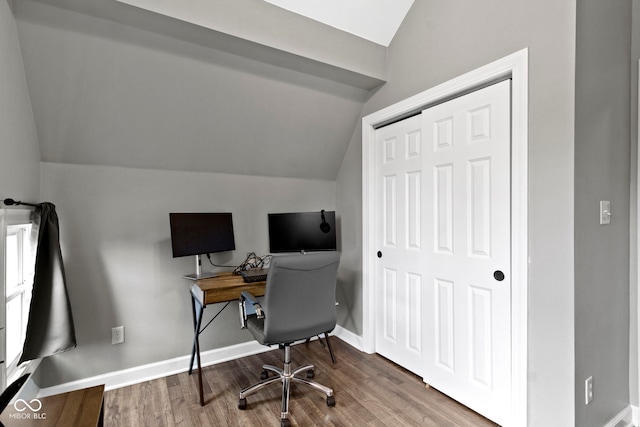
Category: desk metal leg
[195,331]
[199,369]
[195,309]
[198,310]
[326,337]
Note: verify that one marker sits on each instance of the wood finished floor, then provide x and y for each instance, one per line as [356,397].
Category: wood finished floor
[369,391]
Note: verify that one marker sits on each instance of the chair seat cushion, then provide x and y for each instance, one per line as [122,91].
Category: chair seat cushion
[255,325]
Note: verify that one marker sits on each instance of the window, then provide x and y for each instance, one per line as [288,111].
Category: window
[18,285]
[18,256]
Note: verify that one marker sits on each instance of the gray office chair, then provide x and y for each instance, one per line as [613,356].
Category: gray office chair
[299,303]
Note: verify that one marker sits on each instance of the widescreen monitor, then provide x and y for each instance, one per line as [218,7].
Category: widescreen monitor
[201,233]
[302,231]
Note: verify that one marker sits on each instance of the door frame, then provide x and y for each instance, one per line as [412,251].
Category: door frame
[515,67]
[635,410]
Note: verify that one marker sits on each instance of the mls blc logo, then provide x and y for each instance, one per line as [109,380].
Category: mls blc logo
[28,410]
[21,405]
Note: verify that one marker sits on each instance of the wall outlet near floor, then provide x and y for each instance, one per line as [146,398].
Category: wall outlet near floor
[588,390]
[605,212]
[117,335]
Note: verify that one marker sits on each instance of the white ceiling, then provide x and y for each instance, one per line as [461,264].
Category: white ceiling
[374,20]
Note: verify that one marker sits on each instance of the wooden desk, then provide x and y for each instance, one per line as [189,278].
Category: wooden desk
[223,288]
[79,408]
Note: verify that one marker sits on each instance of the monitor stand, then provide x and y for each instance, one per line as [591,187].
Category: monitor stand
[199,274]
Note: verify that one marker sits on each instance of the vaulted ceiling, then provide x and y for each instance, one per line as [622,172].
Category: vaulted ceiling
[250,89]
[375,20]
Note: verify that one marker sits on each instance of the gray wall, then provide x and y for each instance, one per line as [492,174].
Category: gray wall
[442,40]
[633,291]
[349,204]
[116,243]
[19,151]
[602,161]
[106,93]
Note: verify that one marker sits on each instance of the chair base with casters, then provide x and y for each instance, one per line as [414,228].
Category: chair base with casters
[286,376]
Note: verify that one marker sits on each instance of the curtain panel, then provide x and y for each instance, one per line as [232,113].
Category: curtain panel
[50,328]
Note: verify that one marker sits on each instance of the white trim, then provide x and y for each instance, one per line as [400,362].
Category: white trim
[8,217]
[152,371]
[623,418]
[29,389]
[3,306]
[636,420]
[515,66]
[16,216]
[349,337]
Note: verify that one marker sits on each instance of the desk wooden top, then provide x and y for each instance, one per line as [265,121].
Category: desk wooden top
[79,408]
[224,287]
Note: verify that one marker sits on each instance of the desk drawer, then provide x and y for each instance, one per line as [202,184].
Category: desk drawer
[226,294]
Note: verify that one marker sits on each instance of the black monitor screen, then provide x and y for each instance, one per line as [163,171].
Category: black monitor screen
[201,233]
[302,231]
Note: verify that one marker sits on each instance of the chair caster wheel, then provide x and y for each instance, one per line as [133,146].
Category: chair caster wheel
[310,374]
[285,422]
[331,401]
[264,374]
[242,404]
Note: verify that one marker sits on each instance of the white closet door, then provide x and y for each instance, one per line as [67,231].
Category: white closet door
[400,270]
[467,327]
[443,286]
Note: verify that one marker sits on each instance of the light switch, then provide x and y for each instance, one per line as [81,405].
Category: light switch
[605,212]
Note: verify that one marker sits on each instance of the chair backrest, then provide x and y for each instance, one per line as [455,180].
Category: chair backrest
[300,296]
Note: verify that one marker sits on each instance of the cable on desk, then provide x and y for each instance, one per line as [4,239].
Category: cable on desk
[253,261]
[216,265]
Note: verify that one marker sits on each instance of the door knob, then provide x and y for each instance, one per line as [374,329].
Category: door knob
[379,254]
[498,275]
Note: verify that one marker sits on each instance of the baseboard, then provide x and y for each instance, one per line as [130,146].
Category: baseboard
[138,374]
[29,389]
[635,416]
[152,371]
[349,337]
[628,417]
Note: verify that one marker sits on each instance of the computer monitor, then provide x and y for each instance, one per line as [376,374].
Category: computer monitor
[201,233]
[302,231]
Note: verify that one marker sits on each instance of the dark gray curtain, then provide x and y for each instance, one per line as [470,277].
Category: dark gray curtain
[50,328]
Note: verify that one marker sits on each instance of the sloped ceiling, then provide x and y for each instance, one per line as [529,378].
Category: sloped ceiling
[375,20]
[275,94]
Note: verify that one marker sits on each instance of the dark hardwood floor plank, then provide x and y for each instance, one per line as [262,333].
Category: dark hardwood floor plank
[369,391]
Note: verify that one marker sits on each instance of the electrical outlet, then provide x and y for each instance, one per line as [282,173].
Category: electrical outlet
[117,335]
[588,390]
[605,212]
